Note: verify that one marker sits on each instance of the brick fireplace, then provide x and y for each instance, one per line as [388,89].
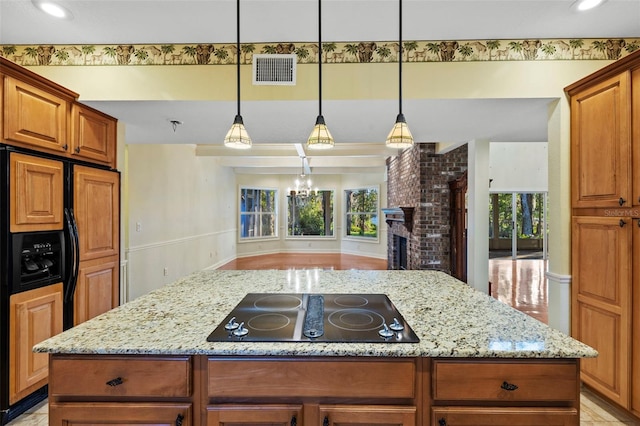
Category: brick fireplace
[418,178]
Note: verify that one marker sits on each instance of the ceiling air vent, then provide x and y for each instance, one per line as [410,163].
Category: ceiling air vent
[274,69]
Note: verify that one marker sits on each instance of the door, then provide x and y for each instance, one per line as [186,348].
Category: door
[36,186]
[601,145]
[254,415]
[488,416]
[97,210]
[97,288]
[96,201]
[601,301]
[93,135]
[34,117]
[35,315]
[379,415]
[517,225]
[120,413]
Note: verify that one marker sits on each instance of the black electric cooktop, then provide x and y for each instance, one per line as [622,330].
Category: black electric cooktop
[295,317]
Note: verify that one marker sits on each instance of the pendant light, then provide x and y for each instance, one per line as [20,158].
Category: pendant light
[400,136]
[320,137]
[237,137]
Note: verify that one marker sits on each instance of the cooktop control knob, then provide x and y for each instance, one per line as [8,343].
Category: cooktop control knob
[240,331]
[396,326]
[231,325]
[386,332]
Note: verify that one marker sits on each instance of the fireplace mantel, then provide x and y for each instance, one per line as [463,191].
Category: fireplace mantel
[403,215]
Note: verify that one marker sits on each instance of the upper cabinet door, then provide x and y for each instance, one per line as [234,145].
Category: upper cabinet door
[34,117]
[93,135]
[96,202]
[601,144]
[36,187]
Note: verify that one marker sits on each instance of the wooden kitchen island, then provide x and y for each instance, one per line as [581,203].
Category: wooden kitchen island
[478,361]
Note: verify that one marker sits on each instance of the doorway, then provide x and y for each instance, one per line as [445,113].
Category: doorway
[518,225]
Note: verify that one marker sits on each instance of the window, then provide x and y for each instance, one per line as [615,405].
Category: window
[310,215]
[362,212]
[258,213]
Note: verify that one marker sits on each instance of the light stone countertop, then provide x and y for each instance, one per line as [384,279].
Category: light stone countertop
[450,318]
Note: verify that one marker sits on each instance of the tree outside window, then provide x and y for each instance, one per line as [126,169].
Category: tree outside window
[258,213]
[310,215]
[362,212]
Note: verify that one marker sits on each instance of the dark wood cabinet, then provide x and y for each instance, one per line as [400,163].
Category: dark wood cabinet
[458,220]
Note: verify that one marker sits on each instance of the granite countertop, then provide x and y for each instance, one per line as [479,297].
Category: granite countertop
[450,318]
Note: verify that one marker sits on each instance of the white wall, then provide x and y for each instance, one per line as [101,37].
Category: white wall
[518,166]
[339,243]
[181,215]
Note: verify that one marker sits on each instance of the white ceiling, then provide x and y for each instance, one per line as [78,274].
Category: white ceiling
[213,21]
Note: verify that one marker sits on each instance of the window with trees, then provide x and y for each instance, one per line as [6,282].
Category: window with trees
[310,214]
[258,213]
[362,212]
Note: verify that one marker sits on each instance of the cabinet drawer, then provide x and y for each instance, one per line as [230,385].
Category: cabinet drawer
[520,416]
[120,376]
[505,380]
[311,378]
[135,413]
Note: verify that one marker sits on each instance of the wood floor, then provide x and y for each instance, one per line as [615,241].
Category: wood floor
[520,284]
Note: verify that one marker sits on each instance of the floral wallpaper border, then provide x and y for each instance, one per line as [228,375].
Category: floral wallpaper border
[307,53]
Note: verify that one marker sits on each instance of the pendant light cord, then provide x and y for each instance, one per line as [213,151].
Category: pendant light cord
[320,59]
[238,53]
[400,49]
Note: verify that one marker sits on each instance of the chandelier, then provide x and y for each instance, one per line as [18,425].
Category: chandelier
[302,186]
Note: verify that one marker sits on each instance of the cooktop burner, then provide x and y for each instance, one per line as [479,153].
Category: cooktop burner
[294,317]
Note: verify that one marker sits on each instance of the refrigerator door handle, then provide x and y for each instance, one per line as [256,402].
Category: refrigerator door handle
[75,255]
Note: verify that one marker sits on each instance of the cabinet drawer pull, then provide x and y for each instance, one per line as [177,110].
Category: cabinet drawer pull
[115,382]
[622,223]
[77,149]
[65,146]
[442,422]
[508,386]
[294,421]
[621,201]
[179,420]
[325,422]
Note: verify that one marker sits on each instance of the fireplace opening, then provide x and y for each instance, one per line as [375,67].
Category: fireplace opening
[400,261]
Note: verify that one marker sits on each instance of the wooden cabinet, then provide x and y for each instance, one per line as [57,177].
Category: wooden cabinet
[34,316]
[254,415]
[144,390]
[97,210]
[35,117]
[312,391]
[474,416]
[605,258]
[505,392]
[601,314]
[36,188]
[139,414]
[38,114]
[93,135]
[97,290]
[316,391]
[601,144]
[352,415]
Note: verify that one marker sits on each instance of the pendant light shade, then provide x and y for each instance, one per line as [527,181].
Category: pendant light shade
[320,137]
[237,137]
[400,137]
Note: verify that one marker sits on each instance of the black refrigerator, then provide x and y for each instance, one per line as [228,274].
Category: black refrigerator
[39,265]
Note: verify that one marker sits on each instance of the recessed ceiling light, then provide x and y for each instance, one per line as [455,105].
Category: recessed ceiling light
[53,9]
[587,4]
